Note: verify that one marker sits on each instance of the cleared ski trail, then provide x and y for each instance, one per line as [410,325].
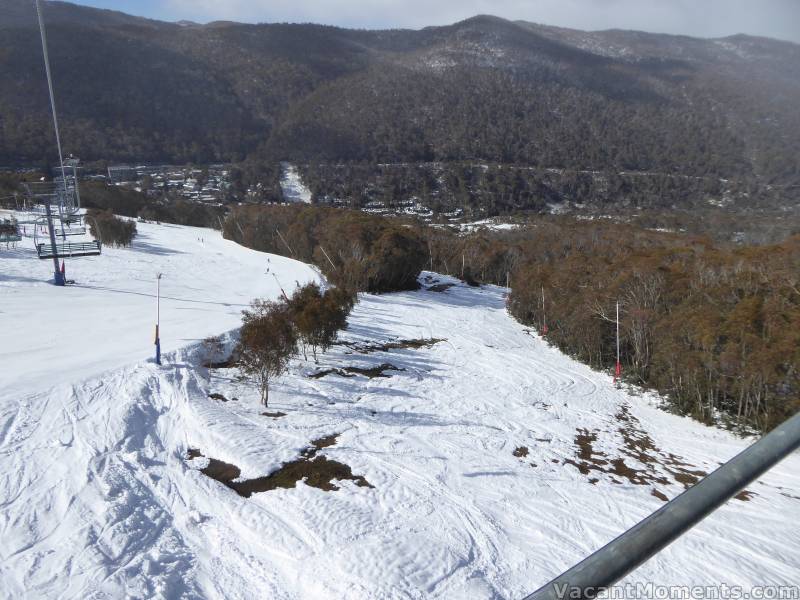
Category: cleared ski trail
[106,320]
[97,499]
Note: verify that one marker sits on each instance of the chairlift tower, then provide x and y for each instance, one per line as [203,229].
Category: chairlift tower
[57,204]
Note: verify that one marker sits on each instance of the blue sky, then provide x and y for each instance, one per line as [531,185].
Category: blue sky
[705,18]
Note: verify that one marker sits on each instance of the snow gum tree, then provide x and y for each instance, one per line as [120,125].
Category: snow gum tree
[319,317]
[267,342]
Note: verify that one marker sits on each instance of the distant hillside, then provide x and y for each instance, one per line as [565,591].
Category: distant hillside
[484,89]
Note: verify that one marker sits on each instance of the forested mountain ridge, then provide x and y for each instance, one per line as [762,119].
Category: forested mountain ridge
[484,89]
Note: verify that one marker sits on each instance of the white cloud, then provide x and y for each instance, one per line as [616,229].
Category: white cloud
[705,18]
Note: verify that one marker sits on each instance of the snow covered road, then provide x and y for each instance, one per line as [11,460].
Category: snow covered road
[495,461]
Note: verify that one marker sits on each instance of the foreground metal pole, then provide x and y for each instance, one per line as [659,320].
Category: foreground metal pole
[621,556]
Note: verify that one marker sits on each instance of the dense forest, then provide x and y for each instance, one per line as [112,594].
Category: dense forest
[579,111]
[716,330]
[129,203]
[479,190]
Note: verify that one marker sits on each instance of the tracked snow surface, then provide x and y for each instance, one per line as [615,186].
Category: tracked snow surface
[494,460]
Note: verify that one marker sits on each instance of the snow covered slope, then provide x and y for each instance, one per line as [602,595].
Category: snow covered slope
[495,461]
[107,319]
[292,186]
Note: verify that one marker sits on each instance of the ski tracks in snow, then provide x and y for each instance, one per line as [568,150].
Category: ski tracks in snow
[86,519]
[98,500]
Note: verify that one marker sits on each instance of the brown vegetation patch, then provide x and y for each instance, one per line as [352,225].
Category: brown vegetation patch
[316,445]
[371,372]
[325,372]
[587,461]
[521,452]
[228,363]
[396,345]
[590,459]
[390,258]
[316,471]
[639,446]
[659,495]
[729,312]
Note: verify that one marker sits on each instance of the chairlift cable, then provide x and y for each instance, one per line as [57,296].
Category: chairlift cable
[52,95]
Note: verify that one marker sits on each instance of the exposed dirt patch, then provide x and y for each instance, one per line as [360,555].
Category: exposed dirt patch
[316,445]
[416,344]
[590,459]
[660,495]
[228,363]
[273,415]
[326,372]
[319,473]
[316,471]
[216,396]
[639,445]
[521,452]
[657,467]
[440,287]
[371,372]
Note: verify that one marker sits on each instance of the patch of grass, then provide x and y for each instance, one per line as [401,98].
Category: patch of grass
[440,287]
[228,363]
[639,446]
[395,345]
[371,372]
[659,495]
[317,471]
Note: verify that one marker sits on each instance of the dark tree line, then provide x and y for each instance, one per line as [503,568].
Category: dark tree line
[356,251]
[130,203]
